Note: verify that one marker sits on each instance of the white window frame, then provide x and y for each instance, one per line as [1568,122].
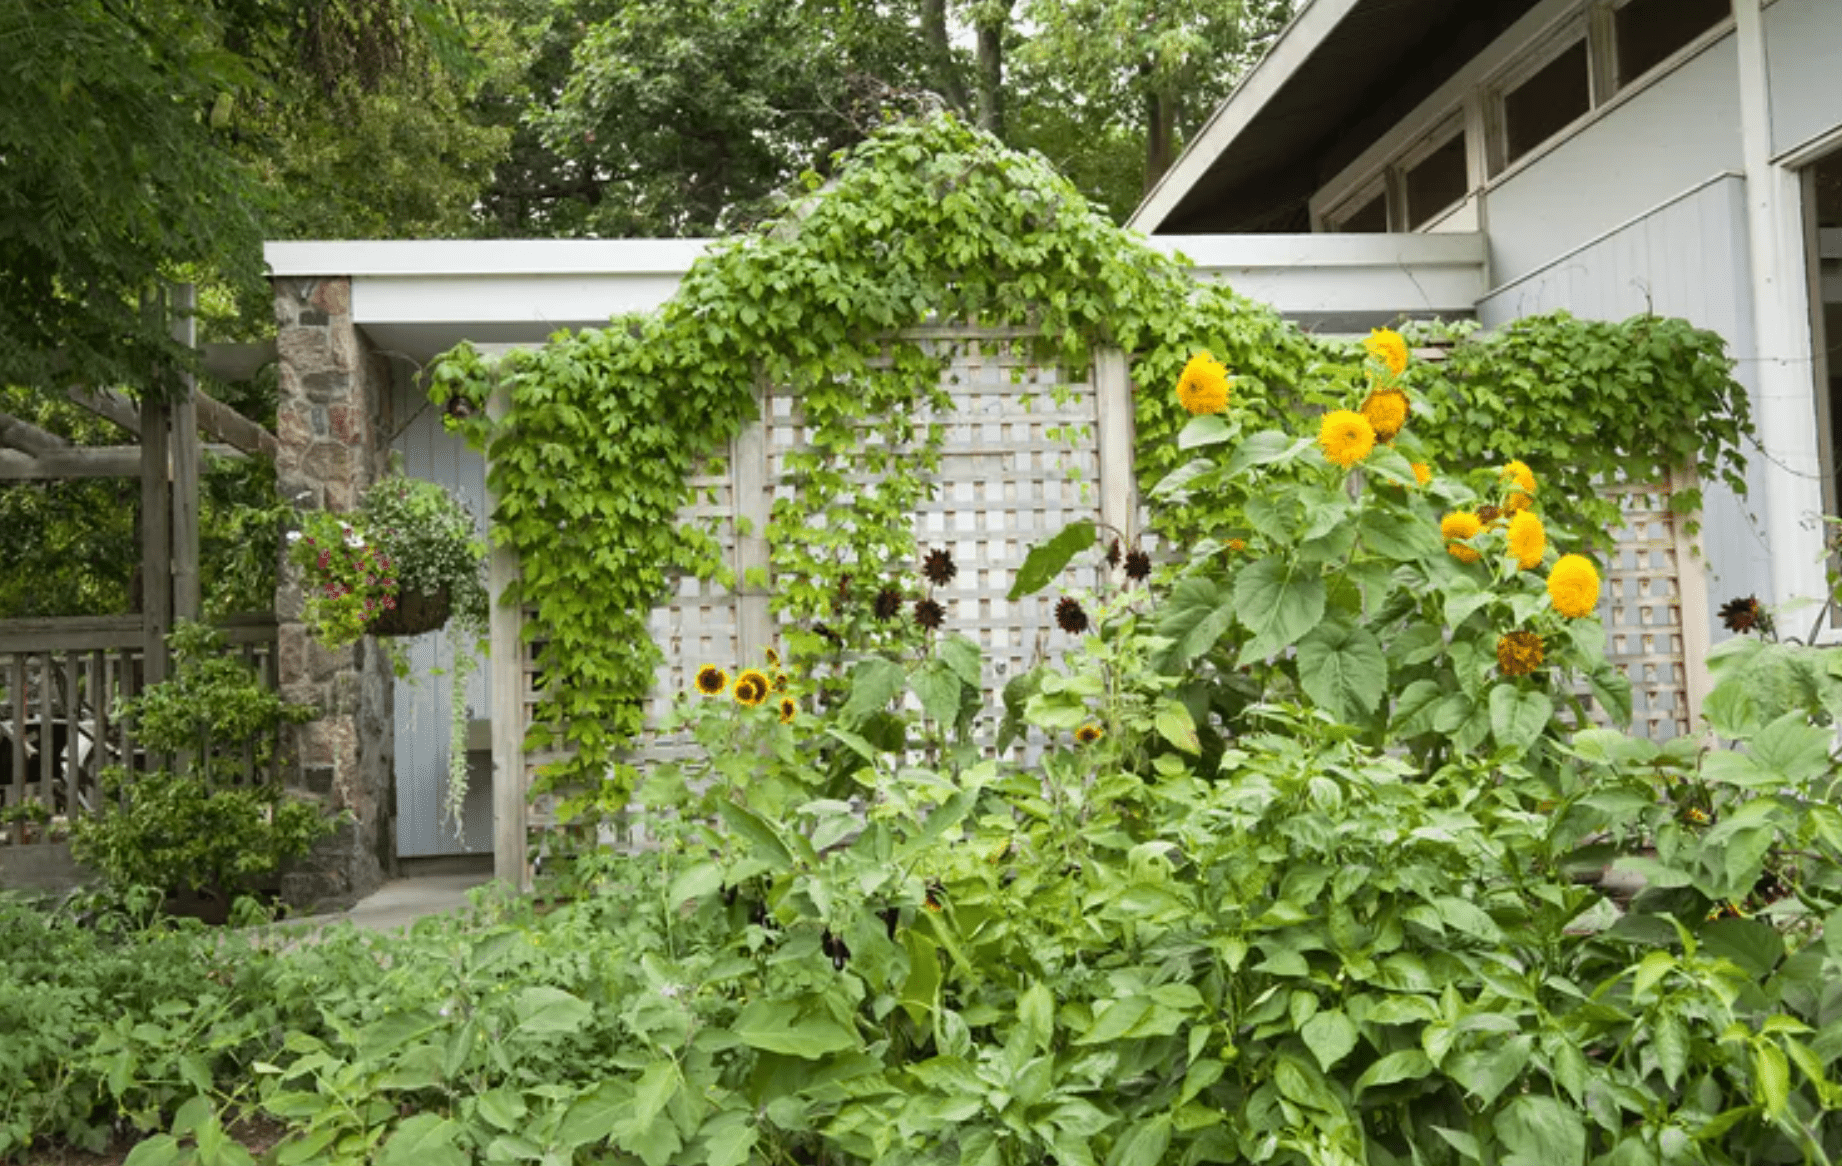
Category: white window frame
[1452,125]
[1574,30]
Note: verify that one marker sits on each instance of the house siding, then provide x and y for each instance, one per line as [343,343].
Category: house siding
[1803,43]
[1688,258]
[430,452]
[1679,131]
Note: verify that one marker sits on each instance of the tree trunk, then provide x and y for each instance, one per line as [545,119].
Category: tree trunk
[939,51]
[991,21]
[1160,135]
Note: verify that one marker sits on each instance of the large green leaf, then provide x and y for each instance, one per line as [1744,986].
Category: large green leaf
[549,1010]
[1265,448]
[778,1026]
[426,1139]
[937,686]
[1538,1130]
[1142,1145]
[1193,618]
[1279,600]
[1330,1036]
[1206,430]
[1046,560]
[1342,668]
[874,683]
[1517,718]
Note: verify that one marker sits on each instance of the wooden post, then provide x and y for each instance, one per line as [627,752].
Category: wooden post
[1692,595]
[511,863]
[156,536]
[1117,430]
[185,462]
[753,506]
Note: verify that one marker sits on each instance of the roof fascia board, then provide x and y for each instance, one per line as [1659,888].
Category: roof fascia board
[482,257]
[1316,21]
[1462,249]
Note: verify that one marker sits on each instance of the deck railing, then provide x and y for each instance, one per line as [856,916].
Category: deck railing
[61,683]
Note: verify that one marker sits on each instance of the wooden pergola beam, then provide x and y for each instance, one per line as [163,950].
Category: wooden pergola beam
[109,405]
[215,419]
[79,461]
[23,435]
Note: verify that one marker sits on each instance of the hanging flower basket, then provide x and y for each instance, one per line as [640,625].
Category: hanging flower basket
[415,612]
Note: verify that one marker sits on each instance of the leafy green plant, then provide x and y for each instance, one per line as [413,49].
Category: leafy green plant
[209,824]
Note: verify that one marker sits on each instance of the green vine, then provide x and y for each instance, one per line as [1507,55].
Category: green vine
[926,223]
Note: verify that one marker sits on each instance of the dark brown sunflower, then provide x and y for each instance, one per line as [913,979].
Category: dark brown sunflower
[929,614]
[1746,615]
[788,710]
[1520,653]
[938,568]
[1089,733]
[888,602]
[1488,514]
[1070,616]
[1112,554]
[1138,566]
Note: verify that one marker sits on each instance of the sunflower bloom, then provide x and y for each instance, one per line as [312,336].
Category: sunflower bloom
[1388,347]
[751,688]
[1458,525]
[1519,473]
[1528,539]
[711,680]
[1573,586]
[1386,410]
[1203,386]
[1520,653]
[1423,473]
[1089,733]
[1517,500]
[773,658]
[788,710]
[1346,437]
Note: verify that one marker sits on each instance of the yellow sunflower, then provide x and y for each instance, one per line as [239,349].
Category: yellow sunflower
[1387,411]
[781,681]
[1460,524]
[1203,387]
[1573,586]
[1517,500]
[751,688]
[1346,437]
[1520,653]
[1237,544]
[787,710]
[1423,473]
[1519,473]
[1089,733]
[711,680]
[773,658]
[1388,347]
[1528,539]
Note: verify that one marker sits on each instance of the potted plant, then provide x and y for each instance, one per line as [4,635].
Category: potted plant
[407,561]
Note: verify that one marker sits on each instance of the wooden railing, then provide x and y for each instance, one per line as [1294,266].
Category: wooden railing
[61,681]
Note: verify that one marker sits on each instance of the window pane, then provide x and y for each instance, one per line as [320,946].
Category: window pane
[1371,218]
[1650,30]
[1547,102]
[1439,180]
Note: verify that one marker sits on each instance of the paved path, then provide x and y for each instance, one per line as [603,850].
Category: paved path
[400,902]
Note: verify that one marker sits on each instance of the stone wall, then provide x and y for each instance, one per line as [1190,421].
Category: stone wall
[333,435]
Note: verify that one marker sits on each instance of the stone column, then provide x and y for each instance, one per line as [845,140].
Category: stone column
[333,393]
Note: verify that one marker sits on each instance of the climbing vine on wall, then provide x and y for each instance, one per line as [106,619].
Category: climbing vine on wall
[602,430]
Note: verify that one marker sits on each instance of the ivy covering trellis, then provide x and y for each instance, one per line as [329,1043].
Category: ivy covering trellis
[935,221]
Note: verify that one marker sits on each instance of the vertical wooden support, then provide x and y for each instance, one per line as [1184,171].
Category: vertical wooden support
[1692,594]
[47,722]
[185,461]
[73,727]
[511,862]
[748,477]
[156,544]
[1118,429]
[17,685]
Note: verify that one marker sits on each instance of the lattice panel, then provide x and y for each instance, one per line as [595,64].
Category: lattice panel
[1641,605]
[1020,461]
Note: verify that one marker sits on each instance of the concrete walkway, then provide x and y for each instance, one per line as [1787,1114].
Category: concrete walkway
[400,902]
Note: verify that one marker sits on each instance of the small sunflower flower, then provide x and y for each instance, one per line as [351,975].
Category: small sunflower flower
[1457,526]
[1138,566]
[1520,653]
[1070,616]
[1113,553]
[1517,500]
[1573,586]
[938,568]
[788,710]
[1389,348]
[1237,545]
[1746,615]
[781,680]
[711,680]
[929,614]
[751,688]
[1203,386]
[1423,473]
[773,658]
[1518,474]
[1387,411]
[1528,539]
[1089,733]
[1346,437]
[888,603]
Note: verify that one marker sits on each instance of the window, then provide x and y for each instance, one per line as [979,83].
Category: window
[1436,181]
[1369,218]
[1547,102]
[1649,31]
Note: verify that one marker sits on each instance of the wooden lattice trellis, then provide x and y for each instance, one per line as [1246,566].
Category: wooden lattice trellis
[1028,450]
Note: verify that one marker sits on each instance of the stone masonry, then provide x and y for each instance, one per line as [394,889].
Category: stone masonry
[333,445]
